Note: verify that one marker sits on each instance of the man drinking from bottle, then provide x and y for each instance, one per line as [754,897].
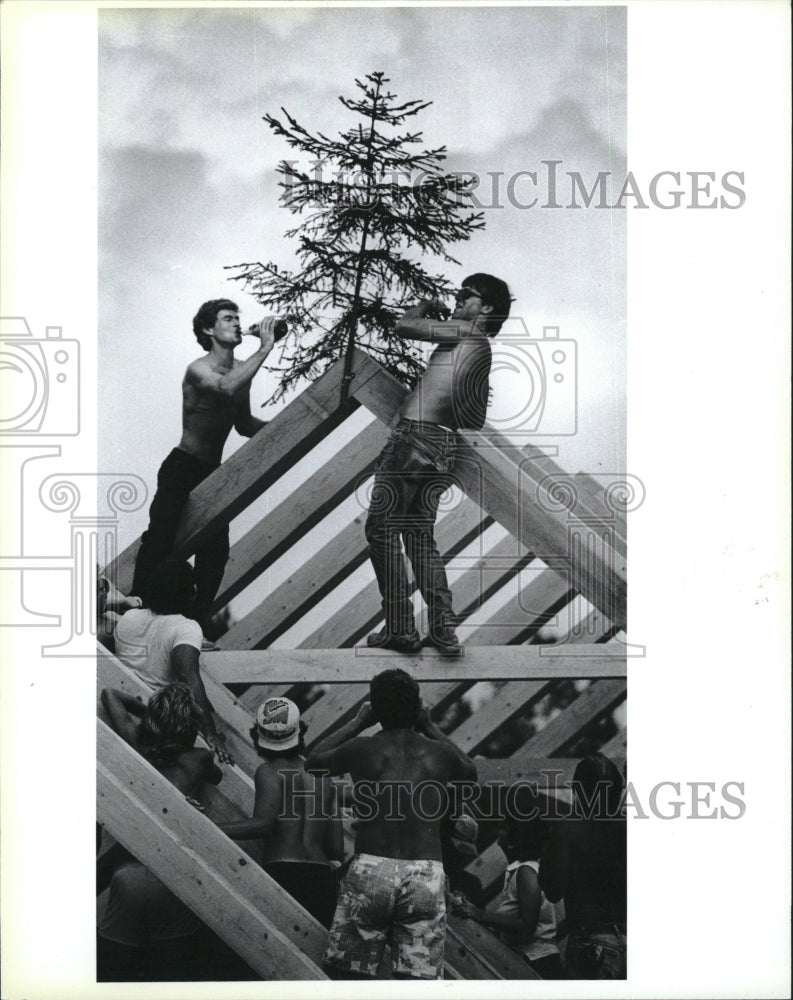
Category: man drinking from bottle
[215,398]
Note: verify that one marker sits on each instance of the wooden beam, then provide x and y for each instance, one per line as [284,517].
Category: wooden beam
[617,746]
[333,666]
[542,593]
[578,548]
[514,696]
[600,697]
[237,787]
[312,581]
[246,474]
[484,573]
[189,854]
[301,511]
[547,774]
[300,592]
[477,953]
[494,473]
[489,869]
[551,774]
[505,481]
[505,704]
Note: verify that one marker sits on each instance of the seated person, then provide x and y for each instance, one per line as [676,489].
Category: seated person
[110,605]
[295,814]
[585,861]
[458,848]
[161,643]
[145,931]
[523,917]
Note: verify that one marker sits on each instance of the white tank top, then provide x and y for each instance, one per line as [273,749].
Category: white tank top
[543,942]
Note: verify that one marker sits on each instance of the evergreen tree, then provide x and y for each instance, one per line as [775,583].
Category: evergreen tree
[371,207]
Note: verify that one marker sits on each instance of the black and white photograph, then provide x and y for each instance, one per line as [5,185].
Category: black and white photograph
[399,323]
[397,455]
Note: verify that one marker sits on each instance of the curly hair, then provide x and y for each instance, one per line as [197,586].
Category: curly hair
[170,724]
[394,697]
[495,293]
[207,317]
[595,774]
[526,836]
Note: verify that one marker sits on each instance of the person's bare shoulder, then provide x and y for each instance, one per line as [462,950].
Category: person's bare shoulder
[444,759]
[266,772]
[198,369]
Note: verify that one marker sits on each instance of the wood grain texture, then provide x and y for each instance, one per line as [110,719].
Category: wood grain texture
[247,473]
[332,483]
[189,854]
[504,480]
[236,790]
[600,697]
[333,666]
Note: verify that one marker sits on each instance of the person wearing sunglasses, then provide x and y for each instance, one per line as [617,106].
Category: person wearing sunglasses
[416,466]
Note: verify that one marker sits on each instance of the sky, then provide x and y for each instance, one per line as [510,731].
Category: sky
[187,187]
[709,298]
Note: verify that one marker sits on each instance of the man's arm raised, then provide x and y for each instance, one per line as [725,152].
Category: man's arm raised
[184,659]
[427,321]
[340,751]
[465,769]
[201,375]
[244,422]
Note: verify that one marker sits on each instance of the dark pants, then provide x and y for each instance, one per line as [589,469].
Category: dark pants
[548,967]
[313,885]
[179,475]
[596,956]
[413,471]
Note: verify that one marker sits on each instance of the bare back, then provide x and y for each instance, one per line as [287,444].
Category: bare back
[399,779]
[188,771]
[301,810]
[208,415]
[453,390]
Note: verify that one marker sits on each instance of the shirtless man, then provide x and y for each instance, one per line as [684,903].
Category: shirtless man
[394,890]
[295,814]
[215,398]
[415,466]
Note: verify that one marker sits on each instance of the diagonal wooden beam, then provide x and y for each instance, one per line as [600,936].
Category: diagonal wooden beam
[479,954]
[502,479]
[314,580]
[513,697]
[505,481]
[301,511]
[600,697]
[290,435]
[500,564]
[188,853]
[233,799]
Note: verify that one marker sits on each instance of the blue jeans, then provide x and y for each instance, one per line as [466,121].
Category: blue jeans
[412,473]
[179,475]
[596,956]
